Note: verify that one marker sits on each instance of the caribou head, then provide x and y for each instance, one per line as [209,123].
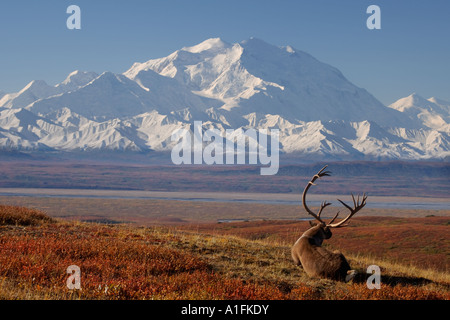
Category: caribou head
[308,251]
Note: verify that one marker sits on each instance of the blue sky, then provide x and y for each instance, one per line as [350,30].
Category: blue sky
[411,52]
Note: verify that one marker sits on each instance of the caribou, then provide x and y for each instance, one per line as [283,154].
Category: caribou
[308,251]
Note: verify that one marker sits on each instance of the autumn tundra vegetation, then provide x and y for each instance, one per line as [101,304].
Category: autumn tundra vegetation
[240,260]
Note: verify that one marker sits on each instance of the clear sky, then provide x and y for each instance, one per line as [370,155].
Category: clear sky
[411,52]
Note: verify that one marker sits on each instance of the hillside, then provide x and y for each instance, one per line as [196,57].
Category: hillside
[203,262]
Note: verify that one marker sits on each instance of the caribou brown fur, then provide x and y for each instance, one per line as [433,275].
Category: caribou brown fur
[316,260]
[308,251]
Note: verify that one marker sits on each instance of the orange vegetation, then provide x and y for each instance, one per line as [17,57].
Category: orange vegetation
[422,242]
[124,262]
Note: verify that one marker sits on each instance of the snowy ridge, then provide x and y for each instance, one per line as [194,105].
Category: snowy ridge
[250,84]
[433,113]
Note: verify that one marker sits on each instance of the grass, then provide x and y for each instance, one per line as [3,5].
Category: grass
[209,261]
[404,240]
[11,215]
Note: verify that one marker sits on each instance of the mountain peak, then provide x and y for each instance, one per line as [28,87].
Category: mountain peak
[207,45]
[256,44]
[35,84]
[430,112]
[74,73]
[289,49]
[415,100]
[416,96]
[411,101]
[256,76]
[77,79]
[254,40]
[439,102]
[77,74]
[250,84]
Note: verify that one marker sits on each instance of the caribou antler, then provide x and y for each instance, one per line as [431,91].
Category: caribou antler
[319,175]
[357,205]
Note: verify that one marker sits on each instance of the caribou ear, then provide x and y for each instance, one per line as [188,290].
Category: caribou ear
[312,224]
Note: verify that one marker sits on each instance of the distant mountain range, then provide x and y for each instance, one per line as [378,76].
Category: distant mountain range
[250,84]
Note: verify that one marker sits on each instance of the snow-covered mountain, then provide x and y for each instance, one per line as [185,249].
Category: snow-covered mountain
[433,113]
[39,89]
[254,76]
[250,84]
